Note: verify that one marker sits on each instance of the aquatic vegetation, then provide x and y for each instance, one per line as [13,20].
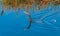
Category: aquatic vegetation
[27,4]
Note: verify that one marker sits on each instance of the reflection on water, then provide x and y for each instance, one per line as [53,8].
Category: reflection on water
[44,22]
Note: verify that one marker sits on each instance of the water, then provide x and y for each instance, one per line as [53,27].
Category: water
[10,25]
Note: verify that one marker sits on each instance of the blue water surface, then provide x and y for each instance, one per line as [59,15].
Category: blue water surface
[10,25]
